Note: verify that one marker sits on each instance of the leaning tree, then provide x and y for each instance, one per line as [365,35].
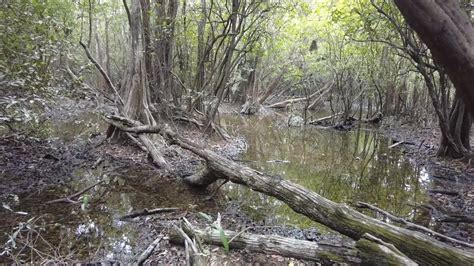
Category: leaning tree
[449,33]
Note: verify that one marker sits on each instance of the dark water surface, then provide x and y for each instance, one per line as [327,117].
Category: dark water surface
[352,166]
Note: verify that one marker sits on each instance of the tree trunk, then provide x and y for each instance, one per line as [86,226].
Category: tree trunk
[135,89]
[107,49]
[145,5]
[166,11]
[449,33]
[459,130]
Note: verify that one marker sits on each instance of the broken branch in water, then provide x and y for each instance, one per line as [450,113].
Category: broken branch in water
[73,198]
[146,212]
[411,225]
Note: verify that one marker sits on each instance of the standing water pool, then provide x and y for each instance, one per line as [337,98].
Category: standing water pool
[348,167]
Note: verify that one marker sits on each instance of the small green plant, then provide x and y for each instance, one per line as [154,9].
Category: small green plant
[217,225]
[85,202]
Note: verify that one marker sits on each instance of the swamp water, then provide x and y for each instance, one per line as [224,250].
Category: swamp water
[348,166]
[342,166]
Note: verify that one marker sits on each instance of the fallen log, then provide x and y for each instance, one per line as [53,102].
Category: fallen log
[285,103]
[339,217]
[376,252]
[413,226]
[322,119]
[143,141]
[271,244]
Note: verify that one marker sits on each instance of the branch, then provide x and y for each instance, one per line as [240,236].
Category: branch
[147,252]
[411,225]
[71,199]
[102,71]
[146,212]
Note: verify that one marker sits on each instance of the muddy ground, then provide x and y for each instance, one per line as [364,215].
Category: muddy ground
[35,170]
[452,193]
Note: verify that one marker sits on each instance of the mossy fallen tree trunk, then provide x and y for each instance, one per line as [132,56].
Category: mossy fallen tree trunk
[376,252]
[271,244]
[339,217]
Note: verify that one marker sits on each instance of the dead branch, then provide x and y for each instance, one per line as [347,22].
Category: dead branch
[102,72]
[374,251]
[285,103]
[271,244]
[194,253]
[147,252]
[324,91]
[411,225]
[322,119]
[275,83]
[71,198]
[146,212]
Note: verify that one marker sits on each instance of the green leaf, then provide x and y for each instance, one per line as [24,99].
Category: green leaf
[224,239]
[85,202]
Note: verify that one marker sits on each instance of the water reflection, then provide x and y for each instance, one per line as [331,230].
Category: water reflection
[342,166]
[97,233]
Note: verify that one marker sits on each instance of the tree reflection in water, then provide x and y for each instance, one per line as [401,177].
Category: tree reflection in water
[342,166]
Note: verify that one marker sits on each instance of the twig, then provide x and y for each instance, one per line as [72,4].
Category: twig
[217,189]
[147,252]
[412,225]
[71,199]
[186,238]
[102,72]
[146,212]
[396,144]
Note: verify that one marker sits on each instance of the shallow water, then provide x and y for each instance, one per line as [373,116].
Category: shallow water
[69,231]
[96,232]
[343,166]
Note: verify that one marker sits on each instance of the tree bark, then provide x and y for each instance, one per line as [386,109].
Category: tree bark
[376,252]
[272,244]
[449,33]
[135,88]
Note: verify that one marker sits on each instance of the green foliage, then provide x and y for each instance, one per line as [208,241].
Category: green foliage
[33,35]
[225,240]
[85,202]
